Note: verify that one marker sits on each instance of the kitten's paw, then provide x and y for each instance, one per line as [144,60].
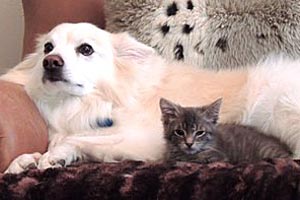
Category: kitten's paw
[210,160]
[24,162]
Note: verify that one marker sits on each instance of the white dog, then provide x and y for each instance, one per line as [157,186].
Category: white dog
[99,93]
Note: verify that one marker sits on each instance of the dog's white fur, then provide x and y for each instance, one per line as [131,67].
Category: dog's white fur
[125,79]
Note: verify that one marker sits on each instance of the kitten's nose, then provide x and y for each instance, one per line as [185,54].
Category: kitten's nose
[189,144]
[189,141]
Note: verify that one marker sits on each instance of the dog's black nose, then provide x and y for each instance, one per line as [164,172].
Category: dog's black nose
[53,62]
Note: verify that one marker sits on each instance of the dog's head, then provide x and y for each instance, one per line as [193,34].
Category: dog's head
[74,58]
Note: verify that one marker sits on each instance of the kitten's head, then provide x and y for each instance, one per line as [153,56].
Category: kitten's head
[191,129]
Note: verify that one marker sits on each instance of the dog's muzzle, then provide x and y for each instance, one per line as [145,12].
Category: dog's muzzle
[53,68]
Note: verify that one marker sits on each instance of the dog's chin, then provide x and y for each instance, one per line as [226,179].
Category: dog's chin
[61,85]
[53,79]
[57,79]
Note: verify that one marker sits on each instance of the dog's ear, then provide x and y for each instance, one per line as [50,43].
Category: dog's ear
[40,42]
[22,72]
[126,46]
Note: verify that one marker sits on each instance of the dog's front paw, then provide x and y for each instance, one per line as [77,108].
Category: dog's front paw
[48,161]
[55,159]
[24,162]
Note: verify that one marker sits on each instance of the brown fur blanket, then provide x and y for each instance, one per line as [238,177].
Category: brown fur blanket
[270,179]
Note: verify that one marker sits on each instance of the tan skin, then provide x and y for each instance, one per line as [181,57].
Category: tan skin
[41,16]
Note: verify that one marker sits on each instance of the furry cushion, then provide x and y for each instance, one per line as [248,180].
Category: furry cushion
[210,33]
[272,179]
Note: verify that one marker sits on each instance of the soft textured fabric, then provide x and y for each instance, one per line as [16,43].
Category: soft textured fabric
[272,179]
[22,129]
[210,33]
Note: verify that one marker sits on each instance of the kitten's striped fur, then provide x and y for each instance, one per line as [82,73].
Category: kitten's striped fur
[192,134]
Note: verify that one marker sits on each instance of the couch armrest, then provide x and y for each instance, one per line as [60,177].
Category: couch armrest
[22,129]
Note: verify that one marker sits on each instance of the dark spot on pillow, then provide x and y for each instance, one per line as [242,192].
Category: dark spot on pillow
[190,5]
[198,48]
[172,9]
[222,44]
[274,27]
[178,50]
[261,36]
[165,29]
[158,48]
[279,37]
[187,29]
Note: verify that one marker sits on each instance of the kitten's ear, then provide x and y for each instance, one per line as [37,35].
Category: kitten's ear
[212,111]
[168,108]
[126,46]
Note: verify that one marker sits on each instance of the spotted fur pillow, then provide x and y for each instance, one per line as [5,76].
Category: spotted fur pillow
[210,33]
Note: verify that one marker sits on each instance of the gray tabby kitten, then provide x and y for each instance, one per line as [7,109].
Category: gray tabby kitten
[192,134]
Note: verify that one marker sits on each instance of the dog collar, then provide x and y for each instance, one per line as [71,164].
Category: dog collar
[104,123]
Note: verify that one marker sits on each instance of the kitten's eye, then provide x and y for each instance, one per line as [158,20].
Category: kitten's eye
[85,49]
[48,47]
[179,133]
[200,133]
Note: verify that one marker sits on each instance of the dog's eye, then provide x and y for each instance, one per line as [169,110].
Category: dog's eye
[48,47]
[85,49]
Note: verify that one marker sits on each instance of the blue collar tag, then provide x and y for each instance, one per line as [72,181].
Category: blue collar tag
[104,123]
